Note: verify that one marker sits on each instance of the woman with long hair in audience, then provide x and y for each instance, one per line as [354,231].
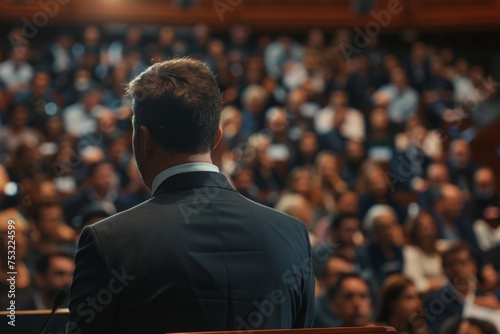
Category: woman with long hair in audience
[400,306]
[300,181]
[327,179]
[421,256]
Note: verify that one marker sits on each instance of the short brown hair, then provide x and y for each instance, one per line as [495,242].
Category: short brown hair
[180,103]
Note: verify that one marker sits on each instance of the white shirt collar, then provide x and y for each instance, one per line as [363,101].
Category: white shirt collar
[184,168]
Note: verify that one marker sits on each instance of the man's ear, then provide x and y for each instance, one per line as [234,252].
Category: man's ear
[146,141]
[219,137]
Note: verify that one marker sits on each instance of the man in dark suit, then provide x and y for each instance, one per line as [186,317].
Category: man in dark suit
[197,255]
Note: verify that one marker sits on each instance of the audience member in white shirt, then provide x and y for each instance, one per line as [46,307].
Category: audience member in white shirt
[351,121]
[402,100]
[422,260]
[16,73]
[487,230]
[81,118]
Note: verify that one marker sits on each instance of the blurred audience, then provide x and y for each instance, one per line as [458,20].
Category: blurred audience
[360,150]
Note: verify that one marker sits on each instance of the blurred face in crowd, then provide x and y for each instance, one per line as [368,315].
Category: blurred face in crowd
[491,215]
[103,178]
[384,229]
[303,211]
[254,72]
[302,182]
[66,42]
[476,75]
[328,165]
[255,104]
[348,202]
[239,34]
[117,150]
[54,126]
[91,99]
[316,38]
[308,144]
[355,151]
[41,82]
[166,35]
[277,121]
[47,190]
[437,175]
[468,328]
[134,35]
[19,117]
[459,268]
[390,62]
[379,120]
[451,203]
[82,80]
[107,121]
[462,66]
[334,267]
[49,220]
[216,48]
[417,135]
[459,153]
[436,65]
[484,183]
[353,303]
[418,52]
[426,230]
[339,100]
[91,35]
[398,79]
[377,183]
[233,124]
[243,180]
[345,234]
[447,56]
[20,54]
[296,99]
[26,155]
[58,275]
[408,303]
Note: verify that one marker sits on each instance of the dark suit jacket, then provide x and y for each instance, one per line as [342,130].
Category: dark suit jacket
[197,256]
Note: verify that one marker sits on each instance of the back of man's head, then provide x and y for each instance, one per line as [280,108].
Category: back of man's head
[180,103]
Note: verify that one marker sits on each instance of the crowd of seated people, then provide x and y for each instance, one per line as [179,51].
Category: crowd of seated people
[365,151]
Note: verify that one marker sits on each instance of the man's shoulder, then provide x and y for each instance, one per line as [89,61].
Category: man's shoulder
[135,214]
[273,213]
